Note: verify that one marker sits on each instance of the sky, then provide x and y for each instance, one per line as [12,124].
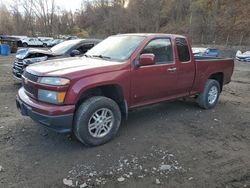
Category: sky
[69,4]
[65,4]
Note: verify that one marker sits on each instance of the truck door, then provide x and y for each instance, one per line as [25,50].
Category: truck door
[186,67]
[155,82]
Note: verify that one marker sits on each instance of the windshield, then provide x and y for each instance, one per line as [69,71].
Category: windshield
[213,50]
[63,47]
[118,48]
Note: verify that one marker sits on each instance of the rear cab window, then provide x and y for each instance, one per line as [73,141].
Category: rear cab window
[183,50]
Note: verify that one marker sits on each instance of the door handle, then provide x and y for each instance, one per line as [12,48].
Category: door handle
[172,69]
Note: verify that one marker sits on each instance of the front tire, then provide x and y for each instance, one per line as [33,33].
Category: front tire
[210,95]
[97,121]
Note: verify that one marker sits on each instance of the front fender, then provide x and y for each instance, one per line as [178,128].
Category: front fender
[79,87]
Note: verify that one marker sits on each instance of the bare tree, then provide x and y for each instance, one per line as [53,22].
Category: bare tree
[6,25]
[205,21]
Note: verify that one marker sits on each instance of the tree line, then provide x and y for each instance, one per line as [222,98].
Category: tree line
[204,21]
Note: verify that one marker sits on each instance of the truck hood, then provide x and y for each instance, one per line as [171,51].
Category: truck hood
[66,66]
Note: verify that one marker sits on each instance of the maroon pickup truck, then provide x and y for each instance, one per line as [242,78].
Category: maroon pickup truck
[90,95]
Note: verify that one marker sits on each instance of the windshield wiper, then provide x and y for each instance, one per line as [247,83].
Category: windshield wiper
[101,56]
[86,55]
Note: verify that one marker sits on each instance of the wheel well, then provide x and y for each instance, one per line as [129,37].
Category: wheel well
[113,92]
[218,77]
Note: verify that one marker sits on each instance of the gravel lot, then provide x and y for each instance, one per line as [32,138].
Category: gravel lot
[174,144]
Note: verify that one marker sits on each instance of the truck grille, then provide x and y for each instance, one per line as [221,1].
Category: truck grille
[18,67]
[28,86]
[30,76]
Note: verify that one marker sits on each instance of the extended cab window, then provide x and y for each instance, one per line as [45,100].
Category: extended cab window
[183,50]
[162,49]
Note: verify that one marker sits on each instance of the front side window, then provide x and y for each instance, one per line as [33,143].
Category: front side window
[162,49]
[84,48]
[183,50]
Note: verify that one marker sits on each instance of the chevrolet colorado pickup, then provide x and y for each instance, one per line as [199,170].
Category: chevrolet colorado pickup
[90,95]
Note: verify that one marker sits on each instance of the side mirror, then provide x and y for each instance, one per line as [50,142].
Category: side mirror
[147,59]
[75,53]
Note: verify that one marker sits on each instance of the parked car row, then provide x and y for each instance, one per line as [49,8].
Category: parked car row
[90,95]
[40,42]
[24,41]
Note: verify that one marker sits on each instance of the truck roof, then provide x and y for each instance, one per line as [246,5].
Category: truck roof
[154,35]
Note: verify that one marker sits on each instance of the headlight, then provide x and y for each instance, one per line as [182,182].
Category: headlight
[51,96]
[55,81]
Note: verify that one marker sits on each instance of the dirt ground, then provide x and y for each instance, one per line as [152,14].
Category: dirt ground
[172,144]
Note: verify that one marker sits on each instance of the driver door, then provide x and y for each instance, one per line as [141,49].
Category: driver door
[155,82]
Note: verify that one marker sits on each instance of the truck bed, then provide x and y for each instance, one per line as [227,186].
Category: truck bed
[207,66]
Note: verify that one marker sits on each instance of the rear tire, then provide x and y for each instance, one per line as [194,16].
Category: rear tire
[97,121]
[210,95]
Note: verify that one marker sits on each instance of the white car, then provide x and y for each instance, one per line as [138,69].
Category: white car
[31,42]
[57,41]
[48,42]
[243,56]
[198,51]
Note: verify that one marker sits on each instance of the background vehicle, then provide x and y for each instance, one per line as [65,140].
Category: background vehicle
[198,51]
[45,38]
[32,42]
[89,95]
[212,52]
[243,56]
[25,57]
[71,37]
[47,42]
[207,52]
[51,42]
[57,41]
